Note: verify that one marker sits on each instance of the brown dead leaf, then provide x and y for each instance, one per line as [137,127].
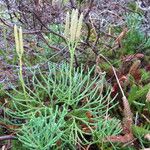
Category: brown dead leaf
[134,66]
[122,139]
[147,68]
[135,71]
[132,57]
[89,114]
[121,36]
[10,127]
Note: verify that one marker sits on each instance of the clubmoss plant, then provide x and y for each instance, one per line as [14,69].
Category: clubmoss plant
[72,34]
[19,50]
[77,108]
[44,131]
[51,89]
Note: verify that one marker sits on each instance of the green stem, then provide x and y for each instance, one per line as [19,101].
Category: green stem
[21,76]
[72,50]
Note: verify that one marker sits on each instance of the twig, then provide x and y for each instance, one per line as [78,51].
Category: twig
[89,9]
[127,110]
[72,4]
[7,137]
[52,47]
